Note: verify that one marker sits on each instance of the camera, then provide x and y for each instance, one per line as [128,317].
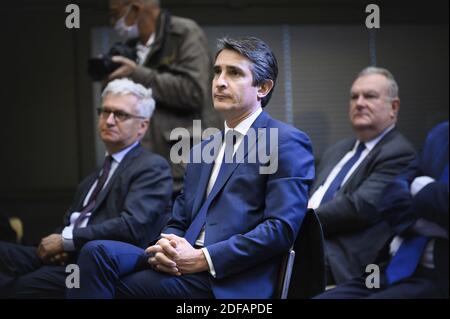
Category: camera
[99,68]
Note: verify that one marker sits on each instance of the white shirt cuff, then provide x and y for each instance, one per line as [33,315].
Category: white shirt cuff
[67,236]
[212,271]
[419,183]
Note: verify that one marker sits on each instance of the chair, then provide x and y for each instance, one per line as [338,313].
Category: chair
[17,226]
[11,229]
[302,270]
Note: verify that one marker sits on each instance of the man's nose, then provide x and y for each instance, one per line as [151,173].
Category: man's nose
[111,120]
[360,101]
[221,81]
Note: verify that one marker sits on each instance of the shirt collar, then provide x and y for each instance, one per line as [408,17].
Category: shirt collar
[119,156]
[373,142]
[243,127]
[149,41]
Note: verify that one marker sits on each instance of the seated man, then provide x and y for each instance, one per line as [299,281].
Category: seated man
[353,173]
[416,207]
[127,200]
[238,215]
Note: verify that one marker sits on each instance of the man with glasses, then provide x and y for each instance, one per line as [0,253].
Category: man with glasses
[127,199]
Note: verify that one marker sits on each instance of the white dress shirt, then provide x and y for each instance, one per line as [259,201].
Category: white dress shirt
[317,197]
[427,257]
[142,50]
[242,128]
[67,233]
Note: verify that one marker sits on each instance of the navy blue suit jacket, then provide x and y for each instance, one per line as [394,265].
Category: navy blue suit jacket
[254,218]
[401,210]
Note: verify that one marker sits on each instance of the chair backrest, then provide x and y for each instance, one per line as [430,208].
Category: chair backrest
[285,275]
[17,226]
[11,229]
[302,270]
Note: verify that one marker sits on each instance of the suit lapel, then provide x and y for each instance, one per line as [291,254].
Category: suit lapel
[367,160]
[133,153]
[260,122]
[161,25]
[205,174]
[336,157]
[86,188]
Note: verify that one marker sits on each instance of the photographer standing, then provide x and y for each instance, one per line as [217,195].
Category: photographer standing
[174,61]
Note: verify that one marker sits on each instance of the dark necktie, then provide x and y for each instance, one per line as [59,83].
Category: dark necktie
[199,220]
[337,181]
[405,261]
[100,184]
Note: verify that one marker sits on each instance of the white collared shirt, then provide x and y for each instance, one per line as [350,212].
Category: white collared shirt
[317,197]
[142,50]
[67,233]
[242,128]
[427,259]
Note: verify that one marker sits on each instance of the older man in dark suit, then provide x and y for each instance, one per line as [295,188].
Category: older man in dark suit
[353,173]
[126,200]
[415,262]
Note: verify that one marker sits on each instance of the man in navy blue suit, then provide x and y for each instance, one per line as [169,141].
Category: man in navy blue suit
[239,213]
[415,263]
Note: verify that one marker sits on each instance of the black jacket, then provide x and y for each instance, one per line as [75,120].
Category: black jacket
[133,207]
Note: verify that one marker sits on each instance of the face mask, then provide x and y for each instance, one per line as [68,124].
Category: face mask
[124,31]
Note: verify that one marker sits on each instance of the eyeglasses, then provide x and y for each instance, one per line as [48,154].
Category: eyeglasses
[118,115]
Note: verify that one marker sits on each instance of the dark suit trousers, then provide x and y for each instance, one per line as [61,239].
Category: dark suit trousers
[22,275]
[423,284]
[112,269]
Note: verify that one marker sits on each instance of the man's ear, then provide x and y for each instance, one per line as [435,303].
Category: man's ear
[145,124]
[133,12]
[265,89]
[395,106]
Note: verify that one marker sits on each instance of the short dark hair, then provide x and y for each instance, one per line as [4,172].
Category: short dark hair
[265,65]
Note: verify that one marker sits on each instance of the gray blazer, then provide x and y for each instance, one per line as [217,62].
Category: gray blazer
[354,232]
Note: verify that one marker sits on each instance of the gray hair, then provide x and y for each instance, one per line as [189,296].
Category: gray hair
[147,2]
[392,87]
[264,62]
[145,103]
[152,2]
